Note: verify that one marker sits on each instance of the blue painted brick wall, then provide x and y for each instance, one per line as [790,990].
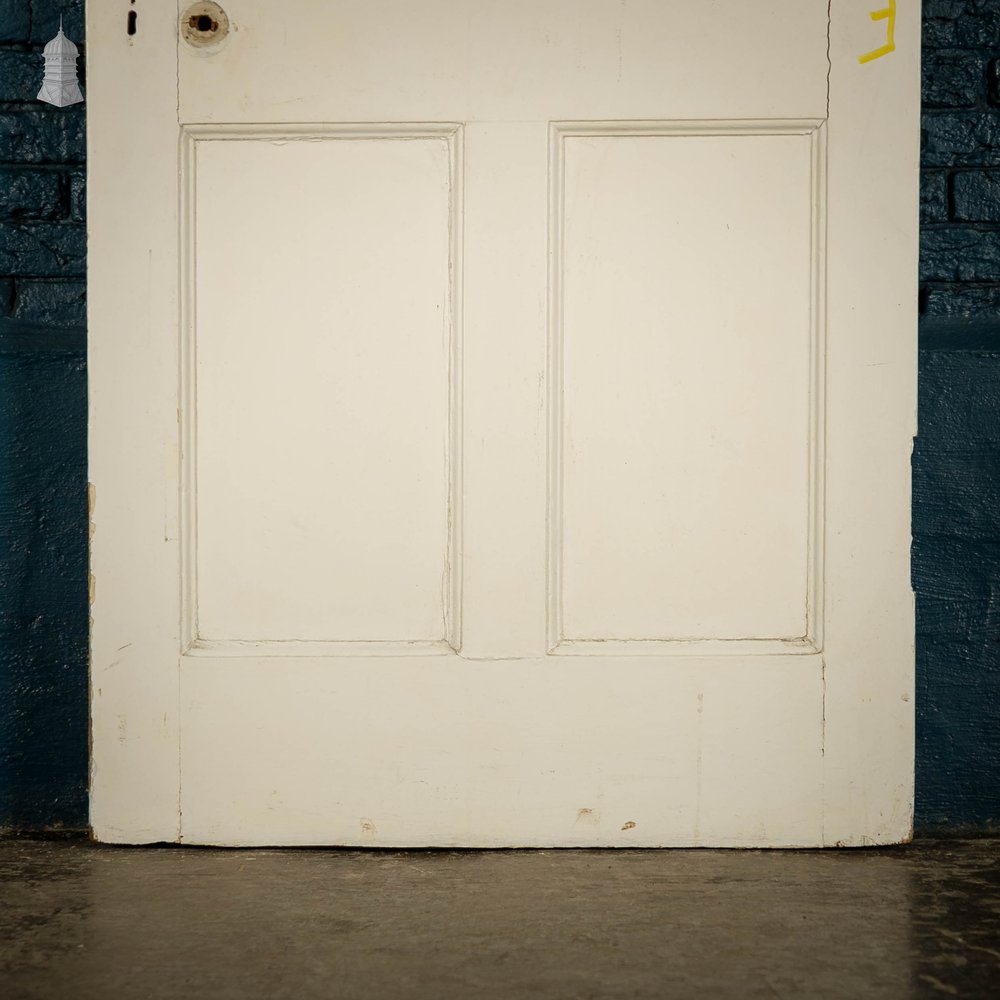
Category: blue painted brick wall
[43,413]
[43,600]
[956,461]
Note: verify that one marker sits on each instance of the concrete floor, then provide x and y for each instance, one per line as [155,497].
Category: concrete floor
[79,920]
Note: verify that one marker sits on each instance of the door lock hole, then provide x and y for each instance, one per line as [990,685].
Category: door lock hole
[204,25]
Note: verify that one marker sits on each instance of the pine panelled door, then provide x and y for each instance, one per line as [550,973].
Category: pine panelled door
[500,422]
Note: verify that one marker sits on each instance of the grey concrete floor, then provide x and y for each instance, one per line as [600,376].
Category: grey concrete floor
[80,920]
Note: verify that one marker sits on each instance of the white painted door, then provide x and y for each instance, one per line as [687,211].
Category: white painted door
[501,417]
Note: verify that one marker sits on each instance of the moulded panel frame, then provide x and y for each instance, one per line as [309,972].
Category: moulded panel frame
[812,641]
[193,642]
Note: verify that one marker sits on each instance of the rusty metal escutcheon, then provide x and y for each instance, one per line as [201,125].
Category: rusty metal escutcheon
[204,25]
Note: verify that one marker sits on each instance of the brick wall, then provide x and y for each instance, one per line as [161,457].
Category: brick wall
[960,160]
[43,601]
[43,413]
[42,182]
[956,466]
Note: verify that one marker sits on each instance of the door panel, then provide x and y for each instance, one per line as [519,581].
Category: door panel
[500,417]
[320,361]
[684,454]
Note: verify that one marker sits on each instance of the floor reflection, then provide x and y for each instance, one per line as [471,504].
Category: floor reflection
[86,921]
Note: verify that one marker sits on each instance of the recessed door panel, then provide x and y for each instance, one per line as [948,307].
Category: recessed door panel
[319,385]
[687,391]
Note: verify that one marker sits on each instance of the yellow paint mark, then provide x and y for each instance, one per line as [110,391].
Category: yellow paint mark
[887,14]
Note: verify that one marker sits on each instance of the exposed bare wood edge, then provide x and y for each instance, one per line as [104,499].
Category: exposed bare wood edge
[815,129]
[190,135]
[685,647]
[315,648]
